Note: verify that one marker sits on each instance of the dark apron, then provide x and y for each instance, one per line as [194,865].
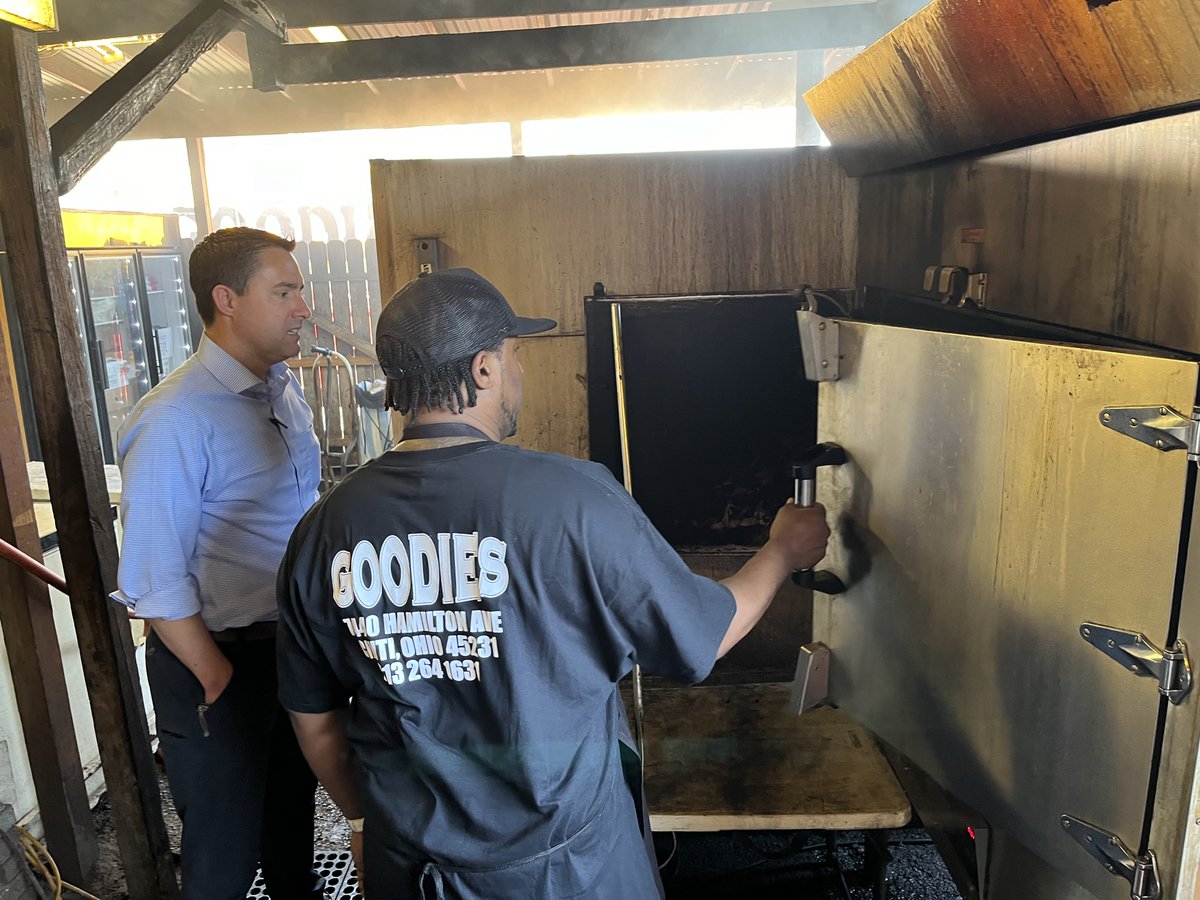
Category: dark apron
[603,860]
[610,856]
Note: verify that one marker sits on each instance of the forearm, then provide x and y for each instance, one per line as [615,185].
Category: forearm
[322,738]
[753,588]
[193,646]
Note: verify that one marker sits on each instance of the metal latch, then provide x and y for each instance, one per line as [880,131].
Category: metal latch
[819,344]
[1134,651]
[1110,851]
[1160,427]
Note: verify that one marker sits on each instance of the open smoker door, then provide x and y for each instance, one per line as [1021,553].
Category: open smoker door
[985,515]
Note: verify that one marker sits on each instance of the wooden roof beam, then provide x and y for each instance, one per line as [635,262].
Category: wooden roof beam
[89,20]
[106,115]
[579,45]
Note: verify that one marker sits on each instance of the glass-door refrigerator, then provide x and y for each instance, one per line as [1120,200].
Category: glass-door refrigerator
[83,324]
[166,310]
[134,318]
[121,355]
[133,312]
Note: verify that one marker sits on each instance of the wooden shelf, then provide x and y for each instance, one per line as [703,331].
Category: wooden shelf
[733,758]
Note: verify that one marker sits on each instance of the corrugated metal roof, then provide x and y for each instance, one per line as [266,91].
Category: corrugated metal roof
[68,68]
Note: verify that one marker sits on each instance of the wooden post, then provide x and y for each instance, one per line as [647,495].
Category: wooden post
[35,660]
[198,169]
[810,69]
[70,443]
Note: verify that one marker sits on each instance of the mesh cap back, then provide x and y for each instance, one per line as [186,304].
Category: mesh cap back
[443,317]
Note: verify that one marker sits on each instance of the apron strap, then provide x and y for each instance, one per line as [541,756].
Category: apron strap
[431,873]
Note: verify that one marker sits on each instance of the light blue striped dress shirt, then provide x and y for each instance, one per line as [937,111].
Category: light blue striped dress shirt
[212,488]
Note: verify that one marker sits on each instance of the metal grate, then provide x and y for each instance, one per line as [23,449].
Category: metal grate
[335,866]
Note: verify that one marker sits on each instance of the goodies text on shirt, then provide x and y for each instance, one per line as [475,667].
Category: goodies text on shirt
[455,568]
[420,645]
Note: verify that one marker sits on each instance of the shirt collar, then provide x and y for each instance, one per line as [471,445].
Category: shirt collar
[237,378]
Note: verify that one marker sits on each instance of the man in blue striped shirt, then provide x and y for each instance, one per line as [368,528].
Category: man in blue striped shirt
[218,464]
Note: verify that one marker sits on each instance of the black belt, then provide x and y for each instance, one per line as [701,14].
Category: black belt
[259,631]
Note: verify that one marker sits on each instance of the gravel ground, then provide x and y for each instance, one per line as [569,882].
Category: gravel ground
[330,832]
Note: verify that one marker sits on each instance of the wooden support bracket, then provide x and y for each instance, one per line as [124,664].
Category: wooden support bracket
[87,132]
[257,18]
[265,55]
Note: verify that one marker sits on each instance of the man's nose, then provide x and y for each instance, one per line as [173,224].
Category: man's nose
[303,311]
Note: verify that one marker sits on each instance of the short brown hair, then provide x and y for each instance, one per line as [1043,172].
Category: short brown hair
[229,257]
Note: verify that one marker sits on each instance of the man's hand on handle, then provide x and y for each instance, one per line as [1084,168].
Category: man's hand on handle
[801,534]
[797,541]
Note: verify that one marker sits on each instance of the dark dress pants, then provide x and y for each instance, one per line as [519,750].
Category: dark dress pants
[240,783]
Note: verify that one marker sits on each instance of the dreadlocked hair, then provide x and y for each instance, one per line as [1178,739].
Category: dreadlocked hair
[449,387]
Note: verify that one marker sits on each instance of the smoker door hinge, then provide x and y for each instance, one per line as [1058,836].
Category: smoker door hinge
[819,345]
[1134,651]
[810,687]
[1160,427]
[1110,851]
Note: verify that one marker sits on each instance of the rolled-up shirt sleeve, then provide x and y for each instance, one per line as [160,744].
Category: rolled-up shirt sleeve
[164,463]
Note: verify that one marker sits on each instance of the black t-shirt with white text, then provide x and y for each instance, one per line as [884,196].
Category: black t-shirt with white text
[479,603]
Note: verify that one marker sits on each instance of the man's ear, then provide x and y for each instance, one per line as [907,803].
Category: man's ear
[224,300]
[485,369]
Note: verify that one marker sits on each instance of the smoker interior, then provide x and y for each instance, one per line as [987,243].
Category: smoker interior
[716,407]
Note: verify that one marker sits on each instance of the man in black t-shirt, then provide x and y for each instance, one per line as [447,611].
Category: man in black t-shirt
[478,603]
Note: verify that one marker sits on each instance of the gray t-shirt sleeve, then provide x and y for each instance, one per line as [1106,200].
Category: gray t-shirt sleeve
[660,614]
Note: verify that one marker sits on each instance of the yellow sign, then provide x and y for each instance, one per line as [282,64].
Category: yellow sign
[113,229]
[36,15]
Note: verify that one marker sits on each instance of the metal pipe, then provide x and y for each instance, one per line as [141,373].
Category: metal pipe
[324,402]
[639,729]
[32,566]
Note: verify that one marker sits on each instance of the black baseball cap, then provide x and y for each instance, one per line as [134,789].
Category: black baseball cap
[443,317]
